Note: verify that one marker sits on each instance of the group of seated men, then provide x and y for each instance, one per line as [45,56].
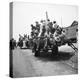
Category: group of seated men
[46,28]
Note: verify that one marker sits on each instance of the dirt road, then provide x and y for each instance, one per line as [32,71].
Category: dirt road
[25,64]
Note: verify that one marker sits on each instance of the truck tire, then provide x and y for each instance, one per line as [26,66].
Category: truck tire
[55,50]
[37,53]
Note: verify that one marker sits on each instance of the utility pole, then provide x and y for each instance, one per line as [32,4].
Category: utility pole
[61,22]
[46,16]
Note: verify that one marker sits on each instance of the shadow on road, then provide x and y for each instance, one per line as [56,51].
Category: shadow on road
[60,56]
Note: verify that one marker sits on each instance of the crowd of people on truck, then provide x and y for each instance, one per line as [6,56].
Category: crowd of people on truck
[46,33]
[46,29]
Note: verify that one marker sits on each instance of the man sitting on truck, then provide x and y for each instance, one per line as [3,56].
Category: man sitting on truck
[37,26]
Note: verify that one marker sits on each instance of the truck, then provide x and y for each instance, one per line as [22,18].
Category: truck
[58,36]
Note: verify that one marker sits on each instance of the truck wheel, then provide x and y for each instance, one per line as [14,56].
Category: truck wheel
[55,50]
[37,53]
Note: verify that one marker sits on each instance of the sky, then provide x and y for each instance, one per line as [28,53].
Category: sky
[25,14]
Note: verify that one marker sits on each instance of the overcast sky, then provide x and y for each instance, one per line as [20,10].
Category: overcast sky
[25,14]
